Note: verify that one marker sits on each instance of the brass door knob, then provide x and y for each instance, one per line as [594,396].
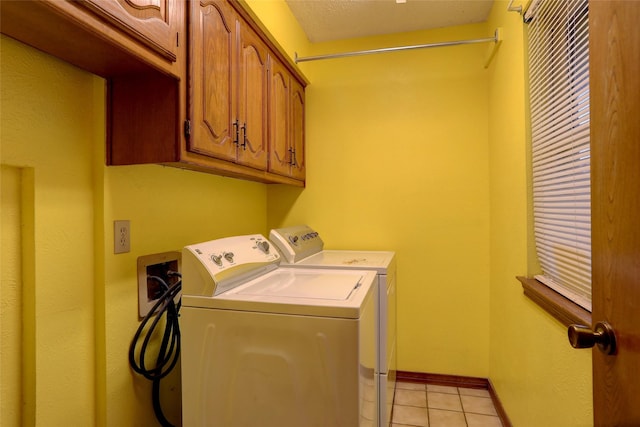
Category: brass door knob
[602,335]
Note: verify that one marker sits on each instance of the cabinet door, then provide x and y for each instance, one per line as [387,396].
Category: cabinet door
[279,95]
[154,23]
[297,137]
[252,88]
[212,101]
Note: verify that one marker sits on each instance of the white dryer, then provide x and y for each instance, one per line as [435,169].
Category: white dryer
[302,247]
[265,345]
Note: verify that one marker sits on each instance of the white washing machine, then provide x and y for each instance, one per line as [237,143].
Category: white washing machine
[302,247]
[265,345]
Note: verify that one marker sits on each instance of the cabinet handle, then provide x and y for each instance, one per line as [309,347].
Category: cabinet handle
[292,161]
[187,128]
[237,132]
[244,136]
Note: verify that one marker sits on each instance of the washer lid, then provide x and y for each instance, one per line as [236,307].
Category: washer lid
[291,284]
[301,291]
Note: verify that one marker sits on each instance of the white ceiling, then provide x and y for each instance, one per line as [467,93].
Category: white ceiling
[325,20]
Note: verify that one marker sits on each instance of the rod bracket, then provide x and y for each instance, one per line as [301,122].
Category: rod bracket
[512,8]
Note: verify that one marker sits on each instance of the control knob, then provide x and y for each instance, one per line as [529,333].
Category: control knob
[217,259]
[263,246]
[228,256]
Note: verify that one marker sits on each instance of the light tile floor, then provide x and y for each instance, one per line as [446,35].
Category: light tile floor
[420,405]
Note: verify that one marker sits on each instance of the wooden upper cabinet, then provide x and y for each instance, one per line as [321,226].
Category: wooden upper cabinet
[212,103]
[228,86]
[106,37]
[286,123]
[298,168]
[152,23]
[252,88]
[196,84]
[280,157]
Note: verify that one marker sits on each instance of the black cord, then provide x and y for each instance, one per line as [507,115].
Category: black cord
[169,350]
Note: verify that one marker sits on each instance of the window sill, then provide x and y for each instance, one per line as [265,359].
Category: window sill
[564,310]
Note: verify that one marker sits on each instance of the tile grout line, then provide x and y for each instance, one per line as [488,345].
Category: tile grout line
[464,413]
[460,395]
[426,399]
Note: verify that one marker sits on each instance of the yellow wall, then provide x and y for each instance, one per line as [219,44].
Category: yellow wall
[10,296]
[540,379]
[397,159]
[47,118]
[84,308]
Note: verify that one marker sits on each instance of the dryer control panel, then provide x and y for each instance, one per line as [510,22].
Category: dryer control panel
[297,242]
[213,267]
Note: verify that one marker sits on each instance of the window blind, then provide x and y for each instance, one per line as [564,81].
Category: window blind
[558,51]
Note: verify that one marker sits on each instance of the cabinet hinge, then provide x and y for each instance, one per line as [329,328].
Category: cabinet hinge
[187,128]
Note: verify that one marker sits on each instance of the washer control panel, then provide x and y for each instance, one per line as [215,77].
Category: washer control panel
[297,242]
[216,266]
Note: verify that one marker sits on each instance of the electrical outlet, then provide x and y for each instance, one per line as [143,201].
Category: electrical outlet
[121,237]
[151,267]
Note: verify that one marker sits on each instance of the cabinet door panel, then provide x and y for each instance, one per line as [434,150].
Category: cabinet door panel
[252,85]
[298,168]
[150,22]
[211,85]
[279,154]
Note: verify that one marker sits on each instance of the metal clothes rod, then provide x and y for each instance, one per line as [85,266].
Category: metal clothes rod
[493,39]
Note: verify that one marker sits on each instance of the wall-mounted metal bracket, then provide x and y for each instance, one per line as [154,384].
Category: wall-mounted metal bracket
[512,8]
